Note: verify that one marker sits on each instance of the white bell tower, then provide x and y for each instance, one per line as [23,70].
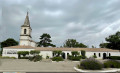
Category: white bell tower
[25,36]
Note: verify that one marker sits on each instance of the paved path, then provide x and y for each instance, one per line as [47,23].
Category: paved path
[16,65]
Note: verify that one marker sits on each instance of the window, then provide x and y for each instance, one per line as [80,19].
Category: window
[99,55]
[11,52]
[25,31]
[109,54]
[94,53]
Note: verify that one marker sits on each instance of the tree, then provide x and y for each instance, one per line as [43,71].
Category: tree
[81,45]
[45,41]
[34,52]
[103,45]
[9,42]
[57,53]
[73,43]
[24,53]
[75,53]
[113,41]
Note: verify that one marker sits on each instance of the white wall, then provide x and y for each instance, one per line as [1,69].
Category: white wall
[50,54]
[33,44]
[4,53]
[90,54]
[46,53]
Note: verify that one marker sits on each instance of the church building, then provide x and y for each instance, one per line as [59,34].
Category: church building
[25,36]
[27,44]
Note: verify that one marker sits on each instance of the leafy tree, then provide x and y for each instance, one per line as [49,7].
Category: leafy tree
[81,45]
[73,43]
[57,53]
[75,53]
[9,42]
[34,52]
[103,45]
[24,53]
[45,41]
[114,41]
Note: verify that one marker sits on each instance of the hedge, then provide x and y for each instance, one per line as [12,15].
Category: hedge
[74,58]
[114,57]
[57,59]
[112,64]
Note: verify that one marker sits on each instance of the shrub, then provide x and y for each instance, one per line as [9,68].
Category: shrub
[74,58]
[83,57]
[83,54]
[31,58]
[114,57]
[35,58]
[91,64]
[34,52]
[112,64]
[47,57]
[94,56]
[57,59]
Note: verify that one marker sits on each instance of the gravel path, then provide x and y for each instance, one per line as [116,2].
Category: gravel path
[28,66]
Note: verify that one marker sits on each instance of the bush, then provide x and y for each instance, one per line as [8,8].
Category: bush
[74,58]
[57,59]
[83,57]
[91,64]
[83,54]
[31,58]
[94,56]
[114,57]
[35,58]
[47,57]
[34,52]
[111,64]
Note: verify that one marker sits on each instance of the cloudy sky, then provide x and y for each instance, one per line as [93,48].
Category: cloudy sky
[87,21]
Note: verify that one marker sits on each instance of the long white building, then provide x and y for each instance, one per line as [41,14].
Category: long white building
[27,44]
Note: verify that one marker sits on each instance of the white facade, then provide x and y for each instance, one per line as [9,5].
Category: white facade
[13,52]
[100,55]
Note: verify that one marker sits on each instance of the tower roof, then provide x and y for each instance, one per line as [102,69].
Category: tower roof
[26,22]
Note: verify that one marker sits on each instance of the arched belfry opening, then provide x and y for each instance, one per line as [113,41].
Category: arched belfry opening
[25,31]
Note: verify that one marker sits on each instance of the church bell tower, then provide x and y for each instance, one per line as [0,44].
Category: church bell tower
[25,35]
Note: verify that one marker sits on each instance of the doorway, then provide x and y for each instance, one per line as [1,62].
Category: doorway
[104,55]
[63,55]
